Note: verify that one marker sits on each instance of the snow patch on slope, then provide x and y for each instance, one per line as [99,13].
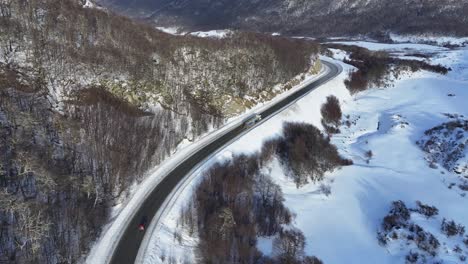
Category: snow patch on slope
[402,47]
[212,34]
[438,40]
[171,30]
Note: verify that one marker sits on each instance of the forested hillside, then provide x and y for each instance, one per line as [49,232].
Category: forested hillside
[313,18]
[90,100]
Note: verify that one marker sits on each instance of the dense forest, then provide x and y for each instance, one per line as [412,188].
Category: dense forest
[237,201]
[90,100]
[306,18]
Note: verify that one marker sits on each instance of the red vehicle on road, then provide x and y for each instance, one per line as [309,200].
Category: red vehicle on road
[143,223]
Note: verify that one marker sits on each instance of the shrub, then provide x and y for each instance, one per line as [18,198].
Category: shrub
[382,238]
[369,155]
[397,217]
[331,111]
[312,260]
[325,189]
[289,245]
[450,228]
[412,257]
[307,152]
[426,210]
[427,242]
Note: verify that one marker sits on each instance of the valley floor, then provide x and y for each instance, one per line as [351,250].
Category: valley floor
[342,226]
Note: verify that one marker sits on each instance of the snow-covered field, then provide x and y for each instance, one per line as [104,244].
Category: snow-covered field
[342,227]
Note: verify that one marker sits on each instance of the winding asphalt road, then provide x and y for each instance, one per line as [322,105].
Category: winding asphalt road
[129,244]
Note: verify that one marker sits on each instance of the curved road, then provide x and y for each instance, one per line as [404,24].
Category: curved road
[129,244]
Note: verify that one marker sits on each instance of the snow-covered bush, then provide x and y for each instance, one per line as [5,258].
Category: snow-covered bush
[331,115]
[450,228]
[447,144]
[399,227]
[398,216]
[426,210]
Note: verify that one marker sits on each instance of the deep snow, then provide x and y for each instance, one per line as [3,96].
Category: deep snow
[342,227]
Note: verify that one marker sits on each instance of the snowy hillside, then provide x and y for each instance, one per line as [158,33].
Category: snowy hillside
[349,211]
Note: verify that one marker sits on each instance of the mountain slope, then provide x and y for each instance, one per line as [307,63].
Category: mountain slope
[90,101]
[298,17]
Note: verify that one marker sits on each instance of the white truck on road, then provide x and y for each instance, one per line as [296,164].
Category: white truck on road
[251,120]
